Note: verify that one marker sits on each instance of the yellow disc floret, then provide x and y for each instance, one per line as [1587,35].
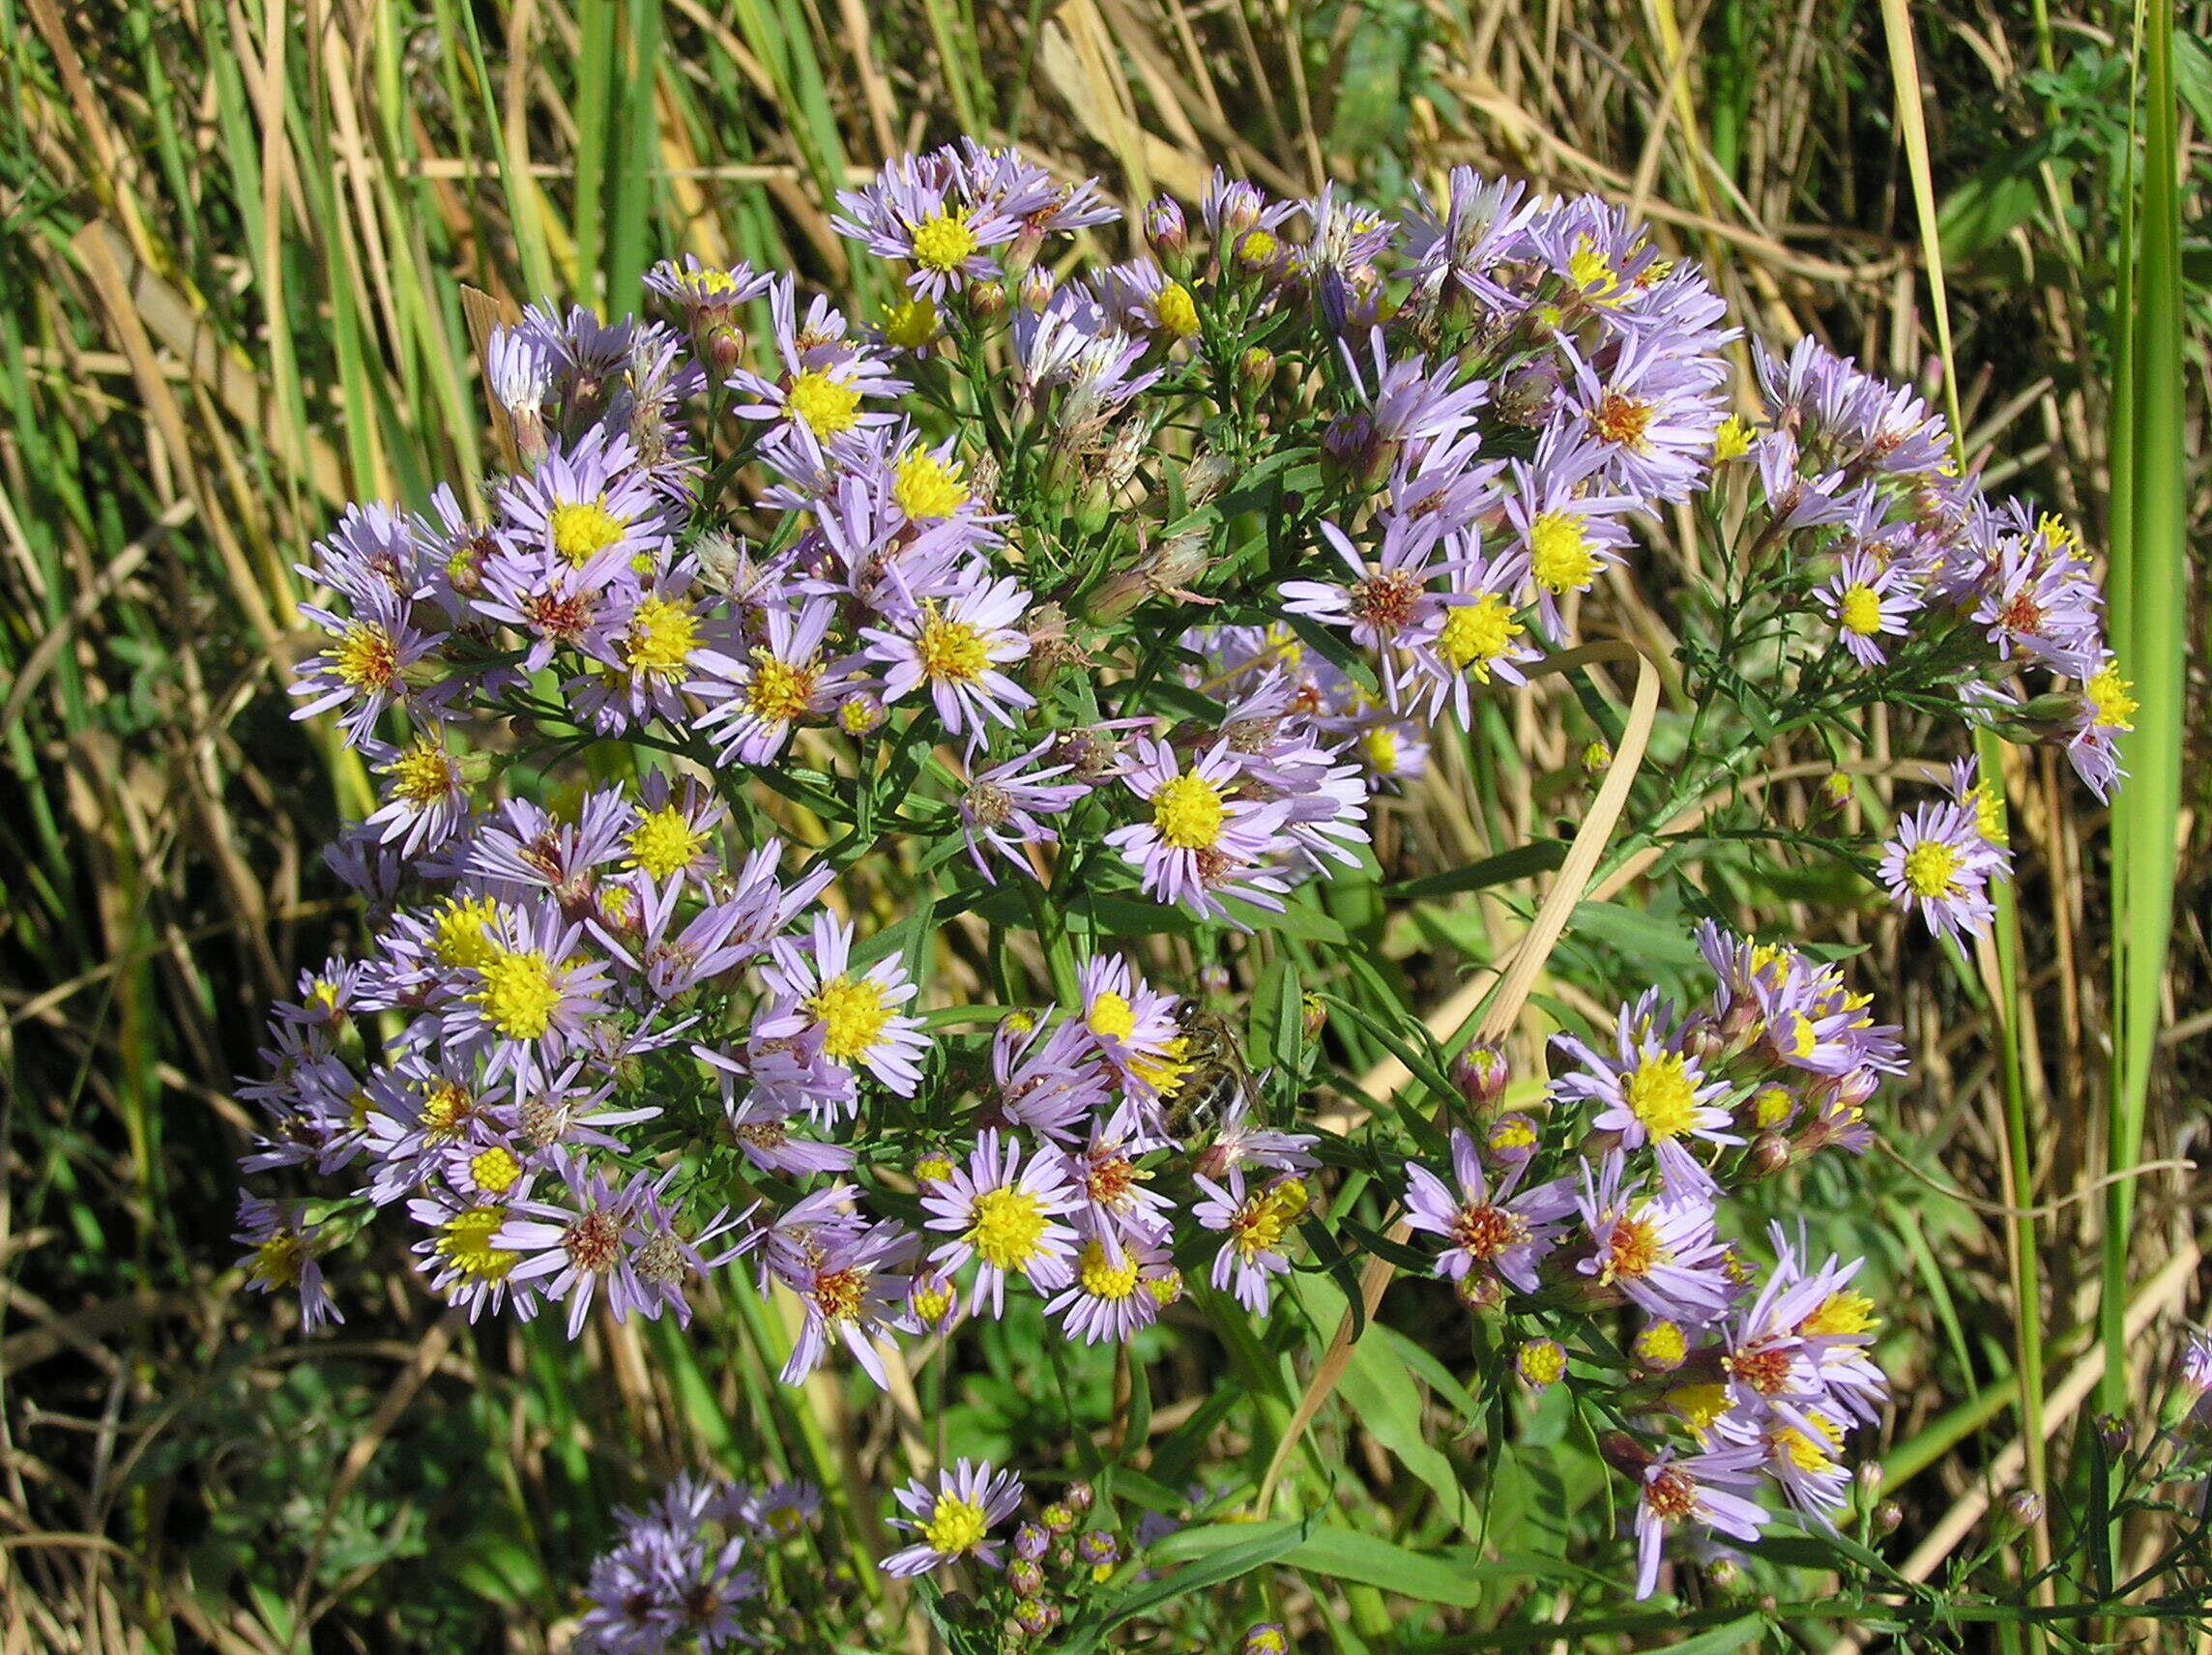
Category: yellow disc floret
[1177,311]
[581,527]
[458,931]
[1105,1275]
[852,1013]
[664,841]
[942,243]
[1931,868]
[519,995]
[829,406]
[780,691]
[1560,557]
[955,1526]
[2108,693]
[1005,1227]
[1859,609]
[926,487]
[424,773]
[1189,812]
[1475,634]
[951,650]
[661,637]
[911,324]
[1658,1092]
[465,1243]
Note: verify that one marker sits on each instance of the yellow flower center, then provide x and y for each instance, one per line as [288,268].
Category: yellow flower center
[852,1013]
[1109,1016]
[933,1169]
[1005,1227]
[1509,1136]
[955,1526]
[1633,1248]
[1988,813]
[1929,868]
[1591,271]
[1560,555]
[951,649]
[1189,812]
[494,1171]
[457,932]
[1841,1313]
[926,486]
[446,1106]
[780,689]
[365,658]
[1662,1345]
[931,1302]
[278,1260]
[1732,441]
[1806,1454]
[1258,247]
[1165,1073]
[1105,1275]
[911,324]
[1699,1404]
[466,1245]
[2108,693]
[942,241]
[580,527]
[664,841]
[1381,747]
[424,773]
[1541,1361]
[1770,1105]
[1260,1226]
[1623,420]
[1177,309]
[661,638]
[1475,634]
[1659,1094]
[518,994]
[1860,609]
[830,407]
[1165,1289]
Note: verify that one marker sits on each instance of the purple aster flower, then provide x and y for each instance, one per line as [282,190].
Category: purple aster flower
[365,667]
[1118,1285]
[760,697]
[954,1519]
[459,1255]
[1711,1488]
[1650,1091]
[1502,1233]
[906,214]
[571,1248]
[1868,601]
[426,798]
[1659,1253]
[1111,1190]
[1938,865]
[1048,1077]
[1000,807]
[824,377]
[1132,1024]
[852,1281]
[1006,1215]
[1412,402]
[1201,842]
[1391,603]
[957,648]
[1255,1224]
[281,1252]
[1479,230]
[1653,412]
[589,508]
[528,994]
[856,1012]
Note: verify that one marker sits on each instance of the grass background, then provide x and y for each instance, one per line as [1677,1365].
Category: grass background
[233,238]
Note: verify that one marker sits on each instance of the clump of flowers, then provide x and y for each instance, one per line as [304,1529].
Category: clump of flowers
[1088,607]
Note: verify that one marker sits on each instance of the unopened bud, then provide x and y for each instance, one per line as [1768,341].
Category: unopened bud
[1887,1516]
[861,714]
[1353,451]
[1079,1497]
[1256,369]
[2024,1506]
[1034,292]
[986,300]
[1483,1295]
[1031,1542]
[1026,1577]
[1164,228]
[1512,1139]
[1313,1016]
[1099,1547]
[1770,1153]
[1266,1638]
[1035,1617]
[1869,1479]
[1725,1573]
[1481,1072]
[2113,1434]
[1661,1348]
[1057,1517]
[1540,1363]
[1598,759]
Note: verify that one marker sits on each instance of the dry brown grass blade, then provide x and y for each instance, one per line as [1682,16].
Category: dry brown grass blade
[484,314]
[1505,1008]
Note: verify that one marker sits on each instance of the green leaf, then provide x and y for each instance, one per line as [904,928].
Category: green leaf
[1538,857]
[1343,1554]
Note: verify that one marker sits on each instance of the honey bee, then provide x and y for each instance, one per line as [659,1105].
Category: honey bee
[1216,1078]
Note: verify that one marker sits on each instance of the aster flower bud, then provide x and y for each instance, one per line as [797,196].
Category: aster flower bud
[1031,1543]
[1482,1295]
[2113,1434]
[1035,1617]
[1353,454]
[1887,1516]
[1165,229]
[986,300]
[1512,1139]
[1256,369]
[1598,759]
[1080,1498]
[1034,292]
[1770,1153]
[1026,1577]
[1481,1072]
[1661,1348]
[2024,1506]
[1057,1517]
[1725,1573]
[1869,1479]
[1099,1549]
[861,714]
[1313,1015]
[1541,1363]
[1266,1638]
